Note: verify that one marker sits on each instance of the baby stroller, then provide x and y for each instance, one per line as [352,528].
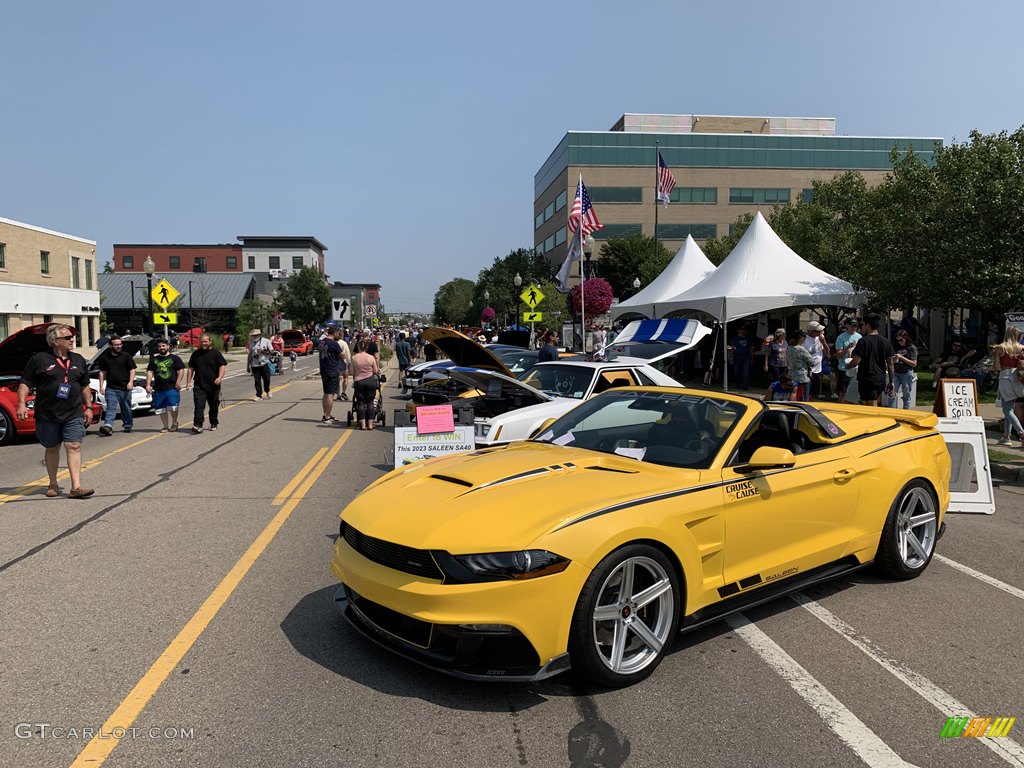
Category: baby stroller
[378,404]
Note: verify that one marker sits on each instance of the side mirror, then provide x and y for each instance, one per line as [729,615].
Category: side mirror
[767,457]
[542,428]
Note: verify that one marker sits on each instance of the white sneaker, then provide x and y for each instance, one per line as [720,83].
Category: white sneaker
[269,395]
[1004,441]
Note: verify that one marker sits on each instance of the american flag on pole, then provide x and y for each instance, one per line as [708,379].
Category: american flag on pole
[666,181]
[583,211]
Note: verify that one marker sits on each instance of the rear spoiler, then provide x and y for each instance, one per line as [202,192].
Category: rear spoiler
[923,419]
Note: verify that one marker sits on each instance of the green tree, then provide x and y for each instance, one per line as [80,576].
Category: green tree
[108,268]
[499,279]
[305,299]
[454,303]
[624,259]
[252,313]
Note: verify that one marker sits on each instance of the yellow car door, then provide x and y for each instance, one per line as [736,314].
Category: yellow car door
[785,520]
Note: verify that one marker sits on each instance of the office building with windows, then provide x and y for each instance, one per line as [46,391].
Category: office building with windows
[723,167]
[47,276]
[277,256]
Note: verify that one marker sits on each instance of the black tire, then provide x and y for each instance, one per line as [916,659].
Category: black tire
[592,640]
[7,431]
[910,532]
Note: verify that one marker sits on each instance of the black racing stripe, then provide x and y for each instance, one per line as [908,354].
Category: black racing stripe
[510,478]
[901,442]
[685,492]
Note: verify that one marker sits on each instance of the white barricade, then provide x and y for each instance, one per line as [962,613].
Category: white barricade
[970,483]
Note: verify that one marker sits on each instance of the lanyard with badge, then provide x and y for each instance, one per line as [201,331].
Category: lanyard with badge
[64,389]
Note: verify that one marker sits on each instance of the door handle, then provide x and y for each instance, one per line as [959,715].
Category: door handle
[843,475]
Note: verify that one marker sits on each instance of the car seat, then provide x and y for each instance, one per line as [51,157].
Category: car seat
[773,432]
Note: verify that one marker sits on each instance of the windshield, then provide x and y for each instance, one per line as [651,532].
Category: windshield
[669,429]
[517,360]
[560,380]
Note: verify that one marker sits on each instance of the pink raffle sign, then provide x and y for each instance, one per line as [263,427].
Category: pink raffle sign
[433,419]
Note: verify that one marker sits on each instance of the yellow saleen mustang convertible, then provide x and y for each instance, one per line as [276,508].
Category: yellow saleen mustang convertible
[640,512]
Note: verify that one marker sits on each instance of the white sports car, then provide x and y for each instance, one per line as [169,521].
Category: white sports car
[567,383]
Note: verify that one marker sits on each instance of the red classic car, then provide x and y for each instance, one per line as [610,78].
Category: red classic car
[15,351]
[296,341]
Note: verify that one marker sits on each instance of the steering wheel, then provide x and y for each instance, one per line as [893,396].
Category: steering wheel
[563,386]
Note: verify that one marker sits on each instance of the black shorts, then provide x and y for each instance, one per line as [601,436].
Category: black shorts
[330,382]
[868,391]
[843,379]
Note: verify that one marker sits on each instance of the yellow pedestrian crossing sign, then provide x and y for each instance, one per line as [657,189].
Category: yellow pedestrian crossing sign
[532,296]
[164,294]
[532,317]
[165,318]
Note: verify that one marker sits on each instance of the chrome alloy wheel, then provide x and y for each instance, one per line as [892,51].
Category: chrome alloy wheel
[633,619]
[916,527]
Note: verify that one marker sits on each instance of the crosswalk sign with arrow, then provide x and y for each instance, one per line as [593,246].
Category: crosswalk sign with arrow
[533,317]
[165,318]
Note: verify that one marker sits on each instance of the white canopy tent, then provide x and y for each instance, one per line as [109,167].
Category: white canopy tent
[760,274]
[688,267]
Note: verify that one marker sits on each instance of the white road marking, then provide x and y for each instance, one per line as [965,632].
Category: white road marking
[1009,750]
[840,720]
[992,582]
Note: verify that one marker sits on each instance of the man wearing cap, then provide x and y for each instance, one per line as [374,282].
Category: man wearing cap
[845,342]
[816,345]
[257,362]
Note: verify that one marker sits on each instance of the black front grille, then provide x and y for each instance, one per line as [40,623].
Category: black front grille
[406,559]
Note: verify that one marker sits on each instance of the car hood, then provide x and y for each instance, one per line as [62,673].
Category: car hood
[501,499]
[17,348]
[482,380]
[295,337]
[653,340]
[464,351]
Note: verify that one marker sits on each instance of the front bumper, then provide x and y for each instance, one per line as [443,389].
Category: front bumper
[469,655]
[439,625]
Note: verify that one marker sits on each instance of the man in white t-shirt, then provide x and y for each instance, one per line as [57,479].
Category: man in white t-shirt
[845,342]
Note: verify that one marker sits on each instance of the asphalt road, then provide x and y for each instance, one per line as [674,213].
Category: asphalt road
[190,599]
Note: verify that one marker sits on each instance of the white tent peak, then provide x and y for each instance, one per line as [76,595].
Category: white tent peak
[688,267]
[763,273]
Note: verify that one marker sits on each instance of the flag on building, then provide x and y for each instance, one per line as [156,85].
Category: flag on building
[583,211]
[574,255]
[666,181]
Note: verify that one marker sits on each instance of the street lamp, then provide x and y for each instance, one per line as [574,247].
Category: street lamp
[149,267]
[636,284]
[518,281]
[588,251]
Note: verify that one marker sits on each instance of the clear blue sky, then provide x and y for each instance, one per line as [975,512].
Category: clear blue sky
[405,135]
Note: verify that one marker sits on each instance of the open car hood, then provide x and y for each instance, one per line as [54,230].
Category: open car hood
[464,351]
[17,348]
[293,335]
[494,384]
[652,340]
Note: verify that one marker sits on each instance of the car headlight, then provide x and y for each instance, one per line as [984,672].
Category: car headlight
[500,566]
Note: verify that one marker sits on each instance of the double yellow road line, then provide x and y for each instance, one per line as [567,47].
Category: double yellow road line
[97,750]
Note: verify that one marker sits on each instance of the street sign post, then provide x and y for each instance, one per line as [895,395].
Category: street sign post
[164,294]
[342,309]
[165,318]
